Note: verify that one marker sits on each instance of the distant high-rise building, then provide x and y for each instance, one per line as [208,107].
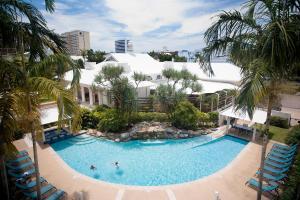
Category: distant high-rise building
[123,46]
[77,41]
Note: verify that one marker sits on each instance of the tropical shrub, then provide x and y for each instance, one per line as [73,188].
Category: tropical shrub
[293,183]
[185,116]
[213,118]
[149,116]
[203,118]
[290,191]
[279,122]
[294,135]
[112,121]
[89,119]
[100,108]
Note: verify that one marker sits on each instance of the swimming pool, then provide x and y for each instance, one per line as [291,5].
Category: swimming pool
[149,163]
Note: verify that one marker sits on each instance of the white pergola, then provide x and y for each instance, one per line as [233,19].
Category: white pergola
[259,117]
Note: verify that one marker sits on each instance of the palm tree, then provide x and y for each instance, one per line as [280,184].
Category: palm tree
[32,83]
[262,39]
[23,26]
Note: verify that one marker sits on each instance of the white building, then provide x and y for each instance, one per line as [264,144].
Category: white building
[227,76]
[76,41]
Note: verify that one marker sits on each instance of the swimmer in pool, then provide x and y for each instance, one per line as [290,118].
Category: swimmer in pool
[92,167]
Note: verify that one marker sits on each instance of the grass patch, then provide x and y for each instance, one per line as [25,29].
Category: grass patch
[276,133]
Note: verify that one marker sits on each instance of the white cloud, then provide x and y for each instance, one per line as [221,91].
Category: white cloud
[138,17]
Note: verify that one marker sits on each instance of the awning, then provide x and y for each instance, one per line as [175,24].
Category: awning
[259,116]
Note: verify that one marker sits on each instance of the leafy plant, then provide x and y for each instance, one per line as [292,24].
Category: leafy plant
[185,116]
[279,122]
[294,135]
[112,121]
[149,116]
[213,118]
[89,119]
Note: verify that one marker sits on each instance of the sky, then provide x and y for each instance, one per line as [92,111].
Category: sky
[149,24]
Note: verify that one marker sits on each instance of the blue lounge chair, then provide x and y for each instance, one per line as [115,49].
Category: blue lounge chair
[44,190]
[19,167]
[292,149]
[56,195]
[284,147]
[21,175]
[280,160]
[276,171]
[270,177]
[273,153]
[22,153]
[274,164]
[19,159]
[265,188]
[29,185]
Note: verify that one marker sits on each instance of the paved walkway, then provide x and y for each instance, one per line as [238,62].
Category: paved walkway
[228,182]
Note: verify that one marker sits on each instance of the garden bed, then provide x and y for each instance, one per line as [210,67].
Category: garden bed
[151,130]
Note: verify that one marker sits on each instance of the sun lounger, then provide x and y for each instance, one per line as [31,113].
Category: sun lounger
[22,153]
[276,171]
[19,167]
[21,175]
[265,188]
[30,185]
[274,164]
[44,190]
[292,149]
[273,153]
[56,195]
[280,160]
[270,177]
[276,145]
[18,160]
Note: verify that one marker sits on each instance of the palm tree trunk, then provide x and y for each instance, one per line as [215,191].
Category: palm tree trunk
[35,155]
[264,146]
[4,176]
[36,165]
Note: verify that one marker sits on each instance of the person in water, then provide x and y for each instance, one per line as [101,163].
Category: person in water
[92,167]
[117,164]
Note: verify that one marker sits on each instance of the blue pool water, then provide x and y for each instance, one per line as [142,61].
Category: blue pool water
[149,163]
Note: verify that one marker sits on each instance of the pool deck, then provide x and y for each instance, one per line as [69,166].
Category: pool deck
[228,182]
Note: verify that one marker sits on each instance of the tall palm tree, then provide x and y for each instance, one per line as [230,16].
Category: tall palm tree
[264,40]
[33,82]
[18,17]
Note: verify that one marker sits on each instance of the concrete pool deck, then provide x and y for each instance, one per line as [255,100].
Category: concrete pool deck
[228,182]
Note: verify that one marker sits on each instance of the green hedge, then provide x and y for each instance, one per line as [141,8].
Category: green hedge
[89,119]
[112,121]
[279,122]
[213,117]
[149,116]
[185,116]
[292,185]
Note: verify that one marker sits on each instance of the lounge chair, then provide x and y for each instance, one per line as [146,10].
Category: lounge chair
[265,188]
[19,167]
[284,147]
[56,195]
[276,171]
[18,160]
[292,149]
[280,160]
[22,153]
[270,177]
[280,155]
[44,190]
[30,185]
[274,164]
[21,175]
